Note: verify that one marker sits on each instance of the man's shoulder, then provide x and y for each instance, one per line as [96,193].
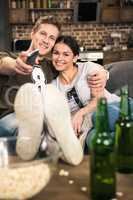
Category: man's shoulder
[46,63]
[89,65]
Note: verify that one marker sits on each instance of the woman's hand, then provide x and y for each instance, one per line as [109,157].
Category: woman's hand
[77,121]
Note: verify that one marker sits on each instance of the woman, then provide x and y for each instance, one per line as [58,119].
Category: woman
[72,81]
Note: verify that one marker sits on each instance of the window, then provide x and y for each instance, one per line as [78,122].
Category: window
[87,11]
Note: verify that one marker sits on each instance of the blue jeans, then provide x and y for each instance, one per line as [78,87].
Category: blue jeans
[8,125]
[113,114]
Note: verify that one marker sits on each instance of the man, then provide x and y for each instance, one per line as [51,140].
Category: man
[30,114]
[43,37]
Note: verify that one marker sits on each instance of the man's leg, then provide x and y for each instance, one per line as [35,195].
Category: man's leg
[8,125]
[29,113]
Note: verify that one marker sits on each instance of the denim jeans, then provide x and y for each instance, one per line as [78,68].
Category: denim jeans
[113,114]
[8,125]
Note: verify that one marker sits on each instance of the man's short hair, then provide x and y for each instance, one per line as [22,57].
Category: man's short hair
[46,20]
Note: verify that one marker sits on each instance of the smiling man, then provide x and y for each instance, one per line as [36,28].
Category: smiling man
[19,69]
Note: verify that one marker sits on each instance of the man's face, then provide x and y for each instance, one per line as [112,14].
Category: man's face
[44,38]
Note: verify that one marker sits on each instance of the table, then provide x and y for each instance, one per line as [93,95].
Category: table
[60,188]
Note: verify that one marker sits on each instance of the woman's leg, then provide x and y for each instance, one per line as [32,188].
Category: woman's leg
[55,112]
[58,119]
[131,106]
[113,114]
[8,125]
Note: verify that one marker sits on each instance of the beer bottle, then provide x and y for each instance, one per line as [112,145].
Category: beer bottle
[124,135]
[102,165]
[49,3]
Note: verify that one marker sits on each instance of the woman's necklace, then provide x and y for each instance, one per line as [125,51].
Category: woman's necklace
[68,78]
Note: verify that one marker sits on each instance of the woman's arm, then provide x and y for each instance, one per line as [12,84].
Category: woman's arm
[97,73]
[78,117]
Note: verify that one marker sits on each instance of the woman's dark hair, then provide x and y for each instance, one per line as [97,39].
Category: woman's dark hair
[69,41]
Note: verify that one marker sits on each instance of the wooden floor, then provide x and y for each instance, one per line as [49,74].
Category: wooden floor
[75,186]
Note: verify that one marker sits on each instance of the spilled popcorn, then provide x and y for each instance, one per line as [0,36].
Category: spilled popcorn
[119,194]
[83,189]
[63,172]
[71,182]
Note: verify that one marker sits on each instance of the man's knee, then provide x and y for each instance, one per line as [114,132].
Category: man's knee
[8,125]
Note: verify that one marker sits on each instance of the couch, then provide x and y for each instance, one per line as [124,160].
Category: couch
[121,73]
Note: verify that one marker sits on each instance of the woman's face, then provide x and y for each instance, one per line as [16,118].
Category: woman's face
[63,57]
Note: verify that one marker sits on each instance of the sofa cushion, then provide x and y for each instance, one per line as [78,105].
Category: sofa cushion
[121,73]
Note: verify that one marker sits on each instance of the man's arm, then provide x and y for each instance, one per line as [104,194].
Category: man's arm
[9,65]
[98,78]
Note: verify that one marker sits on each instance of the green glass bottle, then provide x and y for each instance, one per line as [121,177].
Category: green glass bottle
[124,136]
[102,163]
[49,3]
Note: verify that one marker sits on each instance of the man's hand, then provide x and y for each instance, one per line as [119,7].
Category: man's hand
[98,79]
[97,82]
[21,67]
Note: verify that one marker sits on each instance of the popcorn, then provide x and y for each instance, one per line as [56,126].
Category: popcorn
[83,189]
[23,182]
[71,182]
[63,172]
[119,194]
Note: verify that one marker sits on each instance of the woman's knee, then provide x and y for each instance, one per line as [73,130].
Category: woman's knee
[113,114]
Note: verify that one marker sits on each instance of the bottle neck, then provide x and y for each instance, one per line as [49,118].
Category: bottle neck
[125,111]
[102,124]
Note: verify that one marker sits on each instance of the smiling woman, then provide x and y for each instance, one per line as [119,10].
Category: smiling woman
[64,60]
[72,81]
